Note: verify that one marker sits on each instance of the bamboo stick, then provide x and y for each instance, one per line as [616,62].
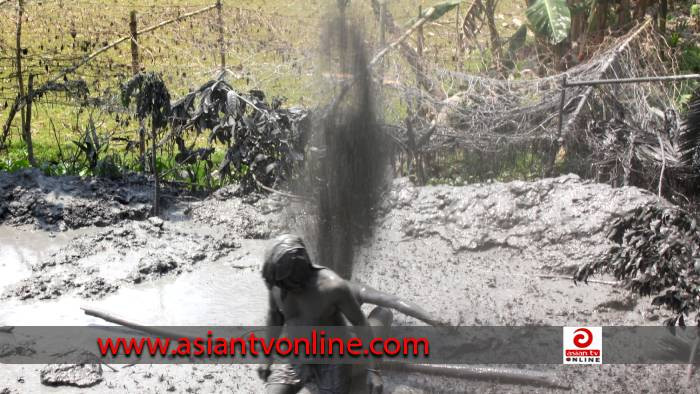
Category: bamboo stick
[602,282]
[501,375]
[136,326]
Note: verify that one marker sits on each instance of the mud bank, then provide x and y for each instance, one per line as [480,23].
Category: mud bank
[471,255]
[69,202]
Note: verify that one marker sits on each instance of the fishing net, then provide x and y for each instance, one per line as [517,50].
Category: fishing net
[608,132]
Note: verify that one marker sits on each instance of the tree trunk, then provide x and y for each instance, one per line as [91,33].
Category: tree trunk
[663,13]
[623,13]
[600,18]
[641,9]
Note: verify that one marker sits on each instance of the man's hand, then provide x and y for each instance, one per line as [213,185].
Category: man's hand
[264,372]
[374,382]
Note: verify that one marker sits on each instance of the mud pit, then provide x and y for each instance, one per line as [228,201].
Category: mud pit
[480,247]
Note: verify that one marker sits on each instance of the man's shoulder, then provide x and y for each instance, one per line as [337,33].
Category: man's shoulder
[329,281]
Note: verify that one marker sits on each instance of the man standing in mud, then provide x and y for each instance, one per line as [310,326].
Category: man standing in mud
[304,294]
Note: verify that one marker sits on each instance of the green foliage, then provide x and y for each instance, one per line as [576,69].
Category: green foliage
[674,39]
[695,10]
[14,162]
[550,18]
[690,58]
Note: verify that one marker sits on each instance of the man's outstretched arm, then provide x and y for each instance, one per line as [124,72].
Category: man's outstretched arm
[370,295]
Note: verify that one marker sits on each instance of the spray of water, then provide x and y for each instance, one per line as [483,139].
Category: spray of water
[352,168]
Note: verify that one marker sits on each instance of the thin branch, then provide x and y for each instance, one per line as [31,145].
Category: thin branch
[562,277]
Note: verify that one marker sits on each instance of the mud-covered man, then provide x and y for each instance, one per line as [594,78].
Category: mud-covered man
[304,294]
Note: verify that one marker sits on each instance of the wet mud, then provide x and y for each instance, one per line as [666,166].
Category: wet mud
[129,252]
[28,197]
[472,255]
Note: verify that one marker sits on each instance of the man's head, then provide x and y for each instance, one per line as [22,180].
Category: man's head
[287,264]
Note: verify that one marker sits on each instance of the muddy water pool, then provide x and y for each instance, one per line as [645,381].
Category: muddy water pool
[222,292]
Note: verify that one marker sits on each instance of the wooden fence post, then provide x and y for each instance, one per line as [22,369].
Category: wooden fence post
[222,45]
[20,83]
[28,121]
[135,69]
[134,43]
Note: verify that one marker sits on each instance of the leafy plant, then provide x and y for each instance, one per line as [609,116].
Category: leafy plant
[91,145]
[690,59]
[550,18]
[657,253]
[152,98]
[674,39]
[264,142]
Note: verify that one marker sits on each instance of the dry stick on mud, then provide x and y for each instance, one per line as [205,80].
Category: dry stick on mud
[501,375]
[139,327]
[602,282]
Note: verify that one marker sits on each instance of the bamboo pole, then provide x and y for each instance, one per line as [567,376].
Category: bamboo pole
[614,81]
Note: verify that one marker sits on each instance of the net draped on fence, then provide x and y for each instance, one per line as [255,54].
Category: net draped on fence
[608,132]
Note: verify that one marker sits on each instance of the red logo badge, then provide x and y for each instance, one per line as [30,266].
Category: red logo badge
[583,345]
